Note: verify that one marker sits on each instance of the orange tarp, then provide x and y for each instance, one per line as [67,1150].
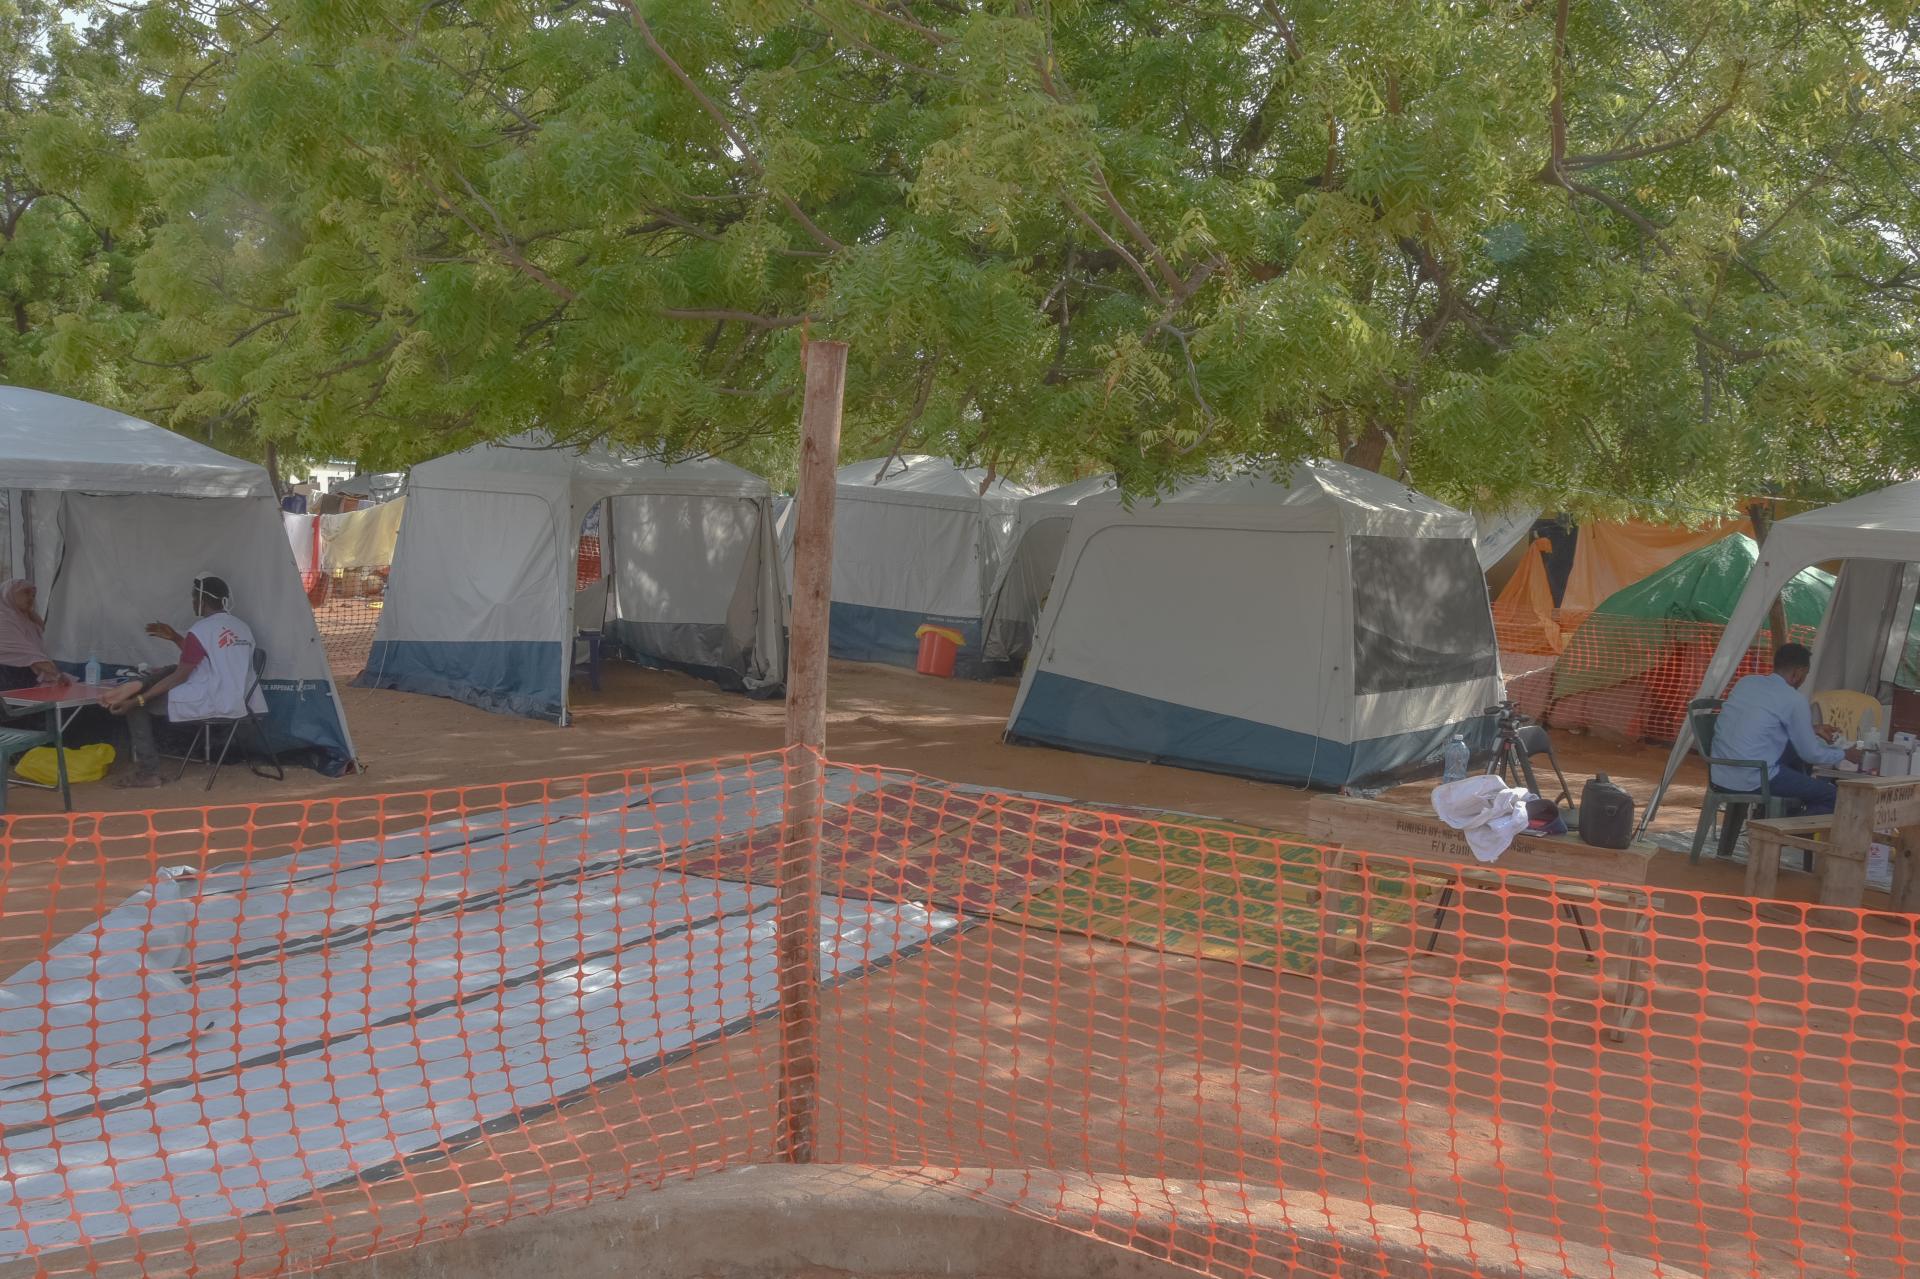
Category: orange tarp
[1608,557]
[1523,614]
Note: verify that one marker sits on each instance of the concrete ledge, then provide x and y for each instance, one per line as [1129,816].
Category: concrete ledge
[789,1223]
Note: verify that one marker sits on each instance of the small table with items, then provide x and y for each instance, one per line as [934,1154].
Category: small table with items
[61,702]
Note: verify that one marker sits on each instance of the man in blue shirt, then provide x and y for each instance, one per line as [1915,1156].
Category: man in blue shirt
[1766,717]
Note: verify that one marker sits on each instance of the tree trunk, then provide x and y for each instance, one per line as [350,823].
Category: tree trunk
[796,923]
[1760,517]
[272,463]
[1370,450]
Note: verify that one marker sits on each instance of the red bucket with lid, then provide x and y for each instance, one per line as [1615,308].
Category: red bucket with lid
[939,649]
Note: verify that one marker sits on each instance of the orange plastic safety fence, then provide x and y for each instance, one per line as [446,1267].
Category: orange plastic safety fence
[258,1039]
[1628,677]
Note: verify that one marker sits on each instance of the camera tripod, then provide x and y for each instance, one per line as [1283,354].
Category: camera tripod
[1520,739]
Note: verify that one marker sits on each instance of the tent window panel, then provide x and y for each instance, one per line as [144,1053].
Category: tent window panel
[1420,616]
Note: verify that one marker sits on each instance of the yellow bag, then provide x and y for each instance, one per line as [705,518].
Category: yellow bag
[84,764]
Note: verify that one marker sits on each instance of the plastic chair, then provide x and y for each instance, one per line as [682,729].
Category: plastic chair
[204,730]
[1704,714]
[1848,711]
[15,742]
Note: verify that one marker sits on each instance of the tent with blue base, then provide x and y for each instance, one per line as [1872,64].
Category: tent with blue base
[111,517]
[481,603]
[1026,574]
[916,540]
[1329,626]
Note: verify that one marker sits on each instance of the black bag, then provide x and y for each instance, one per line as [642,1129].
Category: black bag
[1606,814]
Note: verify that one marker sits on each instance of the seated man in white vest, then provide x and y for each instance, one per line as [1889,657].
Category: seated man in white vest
[211,680]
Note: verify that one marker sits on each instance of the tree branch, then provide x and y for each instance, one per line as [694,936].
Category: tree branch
[927,371]
[1138,232]
[1644,150]
[1557,106]
[1073,207]
[1647,226]
[719,117]
[752,318]
[506,248]
[902,20]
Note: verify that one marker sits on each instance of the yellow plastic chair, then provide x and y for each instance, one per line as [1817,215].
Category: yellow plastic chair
[1848,711]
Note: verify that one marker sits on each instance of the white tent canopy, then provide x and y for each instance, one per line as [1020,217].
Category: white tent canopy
[480,602]
[1026,574]
[52,443]
[1867,635]
[111,517]
[382,486]
[1329,629]
[1495,535]
[916,540]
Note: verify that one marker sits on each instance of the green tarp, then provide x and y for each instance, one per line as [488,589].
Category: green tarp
[1688,601]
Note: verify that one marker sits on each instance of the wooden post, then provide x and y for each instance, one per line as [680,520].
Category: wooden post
[797,933]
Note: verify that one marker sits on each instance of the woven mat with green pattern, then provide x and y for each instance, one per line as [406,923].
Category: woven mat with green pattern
[1187,885]
[1212,889]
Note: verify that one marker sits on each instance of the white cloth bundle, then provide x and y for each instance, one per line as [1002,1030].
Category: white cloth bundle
[1487,810]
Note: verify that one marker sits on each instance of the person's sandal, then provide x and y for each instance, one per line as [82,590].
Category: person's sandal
[138,781]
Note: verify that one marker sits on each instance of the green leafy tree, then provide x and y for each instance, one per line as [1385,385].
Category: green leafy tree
[73,210]
[1657,250]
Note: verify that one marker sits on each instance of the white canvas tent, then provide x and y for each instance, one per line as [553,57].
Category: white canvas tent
[1867,639]
[382,486]
[1026,574]
[1496,535]
[1330,629]
[480,602]
[111,517]
[916,540]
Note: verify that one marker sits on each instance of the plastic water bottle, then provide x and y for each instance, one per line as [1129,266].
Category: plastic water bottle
[93,671]
[1454,760]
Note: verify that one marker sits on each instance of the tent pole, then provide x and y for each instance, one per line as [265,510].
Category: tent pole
[796,938]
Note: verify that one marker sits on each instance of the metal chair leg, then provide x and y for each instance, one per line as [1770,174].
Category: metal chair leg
[1439,919]
[199,731]
[1572,912]
[213,774]
[279,773]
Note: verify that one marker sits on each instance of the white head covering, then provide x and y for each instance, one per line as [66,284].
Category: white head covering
[23,639]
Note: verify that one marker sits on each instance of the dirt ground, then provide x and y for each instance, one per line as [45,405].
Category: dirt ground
[878,715]
[1757,1125]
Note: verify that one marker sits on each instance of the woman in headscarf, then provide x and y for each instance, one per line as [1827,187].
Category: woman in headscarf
[24,660]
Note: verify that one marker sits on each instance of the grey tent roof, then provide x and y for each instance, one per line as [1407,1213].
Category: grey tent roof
[50,442]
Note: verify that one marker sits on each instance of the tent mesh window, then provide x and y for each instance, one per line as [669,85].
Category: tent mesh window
[1420,616]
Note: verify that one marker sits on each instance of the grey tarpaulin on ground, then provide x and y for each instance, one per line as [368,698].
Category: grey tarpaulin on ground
[358,1003]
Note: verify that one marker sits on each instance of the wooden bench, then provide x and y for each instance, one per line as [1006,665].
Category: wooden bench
[1842,871]
[1612,881]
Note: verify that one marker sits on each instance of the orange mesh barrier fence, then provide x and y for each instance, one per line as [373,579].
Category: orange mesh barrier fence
[1629,677]
[258,1039]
